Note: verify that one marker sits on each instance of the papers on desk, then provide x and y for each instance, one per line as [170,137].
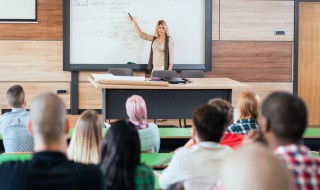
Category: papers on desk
[111,77]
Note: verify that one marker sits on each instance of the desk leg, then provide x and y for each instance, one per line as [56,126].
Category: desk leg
[229,95]
[104,106]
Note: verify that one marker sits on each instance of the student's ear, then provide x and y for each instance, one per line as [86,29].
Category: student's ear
[67,126]
[24,102]
[29,127]
[264,124]
[194,132]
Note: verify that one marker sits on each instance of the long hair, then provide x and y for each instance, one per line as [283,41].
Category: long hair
[120,155]
[86,140]
[164,24]
[248,104]
[137,110]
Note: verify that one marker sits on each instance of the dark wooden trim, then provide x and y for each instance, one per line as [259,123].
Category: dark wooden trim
[296,47]
[74,95]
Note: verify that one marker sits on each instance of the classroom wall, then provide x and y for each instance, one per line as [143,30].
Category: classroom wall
[244,48]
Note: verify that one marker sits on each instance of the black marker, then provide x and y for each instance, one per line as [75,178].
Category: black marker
[130,16]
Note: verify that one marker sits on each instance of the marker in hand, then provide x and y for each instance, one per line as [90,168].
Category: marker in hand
[130,16]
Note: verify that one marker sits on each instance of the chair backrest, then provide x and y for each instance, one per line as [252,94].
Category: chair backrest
[192,74]
[165,73]
[121,71]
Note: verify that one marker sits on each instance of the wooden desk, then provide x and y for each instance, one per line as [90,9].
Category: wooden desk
[176,101]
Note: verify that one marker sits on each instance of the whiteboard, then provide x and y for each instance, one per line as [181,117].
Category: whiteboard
[99,32]
[18,10]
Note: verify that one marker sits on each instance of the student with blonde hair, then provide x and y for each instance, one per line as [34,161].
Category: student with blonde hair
[162,46]
[248,105]
[86,140]
[148,132]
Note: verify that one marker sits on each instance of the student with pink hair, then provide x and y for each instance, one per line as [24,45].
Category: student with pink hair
[148,132]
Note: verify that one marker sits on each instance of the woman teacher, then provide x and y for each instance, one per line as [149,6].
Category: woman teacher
[161,54]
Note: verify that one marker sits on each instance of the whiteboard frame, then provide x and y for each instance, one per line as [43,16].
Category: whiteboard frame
[68,66]
[5,20]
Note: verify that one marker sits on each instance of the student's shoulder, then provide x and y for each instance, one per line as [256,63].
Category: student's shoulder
[142,168]
[12,166]
[87,168]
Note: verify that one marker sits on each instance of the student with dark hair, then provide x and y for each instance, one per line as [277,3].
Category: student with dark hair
[198,167]
[120,159]
[282,122]
[49,167]
[16,137]
[229,139]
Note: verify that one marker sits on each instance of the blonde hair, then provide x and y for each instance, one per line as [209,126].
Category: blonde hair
[248,104]
[162,22]
[86,140]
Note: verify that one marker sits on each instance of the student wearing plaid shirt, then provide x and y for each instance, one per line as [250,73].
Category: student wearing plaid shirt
[282,122]
[248,103]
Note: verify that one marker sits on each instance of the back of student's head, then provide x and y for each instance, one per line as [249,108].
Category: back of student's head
[209,122]
[286,114]
[16,96]
[248,105]
[226,107]
[86,140]
[48,117]
[136,109]
[253,167]
[120,155]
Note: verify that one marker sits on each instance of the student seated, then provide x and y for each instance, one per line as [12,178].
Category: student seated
[229,139]
[198,167]
[248,104]
[148,132]
[13,125]
[120,159]
[253,167]
[85,143]
[282,122]
[49,167]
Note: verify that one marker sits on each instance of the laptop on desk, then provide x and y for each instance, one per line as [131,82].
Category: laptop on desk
[174,80]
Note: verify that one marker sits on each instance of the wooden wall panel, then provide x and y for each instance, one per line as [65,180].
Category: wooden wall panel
[49,26]
[256,20]
[32,61]
[215,20]
[309,59]
[89,96]
[262,89]
[252,61]
[33,89]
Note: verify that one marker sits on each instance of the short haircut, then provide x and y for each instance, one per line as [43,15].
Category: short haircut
[15,96]
[253,167]
[287,115]
[226,107]
[136,109]
[48,117]
[209,122]
[248,104]
[86,140]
